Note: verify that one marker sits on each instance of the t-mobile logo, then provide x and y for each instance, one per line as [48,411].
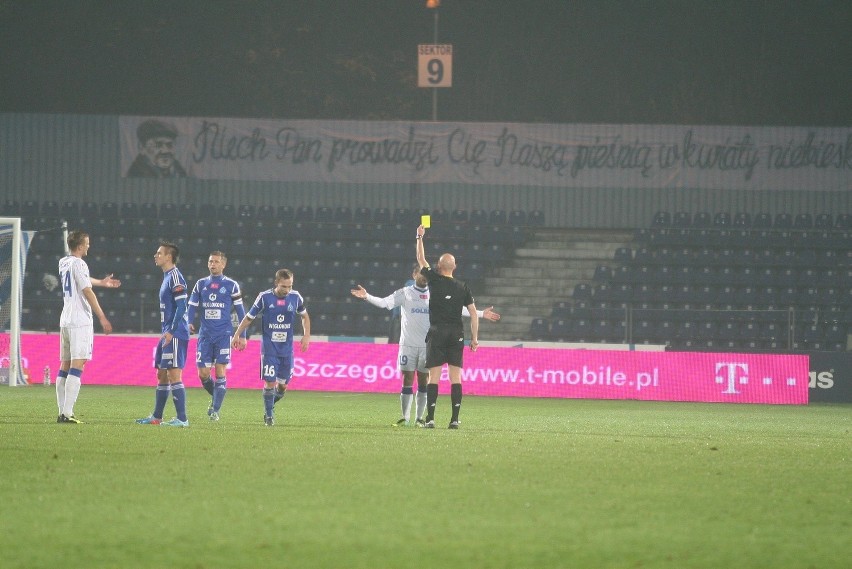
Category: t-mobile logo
[733,373]
[728,372]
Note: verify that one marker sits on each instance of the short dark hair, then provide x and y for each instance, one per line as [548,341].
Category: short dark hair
[173,250]
[283,274]
[75,239]
[154,128]
[218,254]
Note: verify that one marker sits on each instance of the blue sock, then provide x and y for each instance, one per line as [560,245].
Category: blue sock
[268,401]
[179,396]
[62,374]
[219,393]
[160,398]
[207,384]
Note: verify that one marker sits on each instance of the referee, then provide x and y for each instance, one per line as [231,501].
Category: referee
[445,340]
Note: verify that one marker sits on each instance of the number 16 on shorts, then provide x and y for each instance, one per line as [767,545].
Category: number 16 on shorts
[434,65]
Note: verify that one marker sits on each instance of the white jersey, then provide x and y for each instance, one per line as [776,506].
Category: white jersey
[74,277]
[414,308]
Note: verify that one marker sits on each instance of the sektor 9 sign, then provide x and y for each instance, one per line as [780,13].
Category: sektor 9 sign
[435,65]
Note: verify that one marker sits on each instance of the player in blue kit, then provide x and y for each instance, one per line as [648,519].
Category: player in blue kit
[170,355]
[217,295]
[277,307]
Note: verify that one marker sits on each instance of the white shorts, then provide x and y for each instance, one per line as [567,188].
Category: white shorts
[76,343]
[411,358]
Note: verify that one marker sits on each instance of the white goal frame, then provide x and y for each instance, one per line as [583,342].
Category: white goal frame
[15,303]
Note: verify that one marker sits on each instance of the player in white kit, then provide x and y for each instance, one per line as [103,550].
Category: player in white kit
[414,303]
[76,325]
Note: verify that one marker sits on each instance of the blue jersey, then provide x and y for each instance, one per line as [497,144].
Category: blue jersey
[278,316]
[173,304]
[217,296]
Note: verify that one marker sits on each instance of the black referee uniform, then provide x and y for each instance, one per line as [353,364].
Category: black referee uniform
[447,298]
[445,340]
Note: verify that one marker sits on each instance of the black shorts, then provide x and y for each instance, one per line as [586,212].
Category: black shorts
[444,346]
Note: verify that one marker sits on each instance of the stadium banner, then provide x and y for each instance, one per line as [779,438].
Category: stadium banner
[831,377]
[505,372]
[510,154]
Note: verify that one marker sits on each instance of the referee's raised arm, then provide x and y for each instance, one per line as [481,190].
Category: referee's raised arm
[421,252]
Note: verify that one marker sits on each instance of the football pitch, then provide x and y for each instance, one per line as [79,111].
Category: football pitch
[525,483]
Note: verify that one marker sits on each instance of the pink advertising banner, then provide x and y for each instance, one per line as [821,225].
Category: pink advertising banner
[490,371]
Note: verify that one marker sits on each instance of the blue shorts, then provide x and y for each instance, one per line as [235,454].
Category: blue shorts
[172,355]
[213,351]
[276,368]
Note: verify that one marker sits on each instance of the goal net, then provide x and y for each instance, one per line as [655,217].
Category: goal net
[13,255]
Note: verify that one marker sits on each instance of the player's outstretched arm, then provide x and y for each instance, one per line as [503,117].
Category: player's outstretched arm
[474,327]
[489,314]
[107,282]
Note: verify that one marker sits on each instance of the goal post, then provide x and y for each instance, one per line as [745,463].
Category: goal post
[13,254]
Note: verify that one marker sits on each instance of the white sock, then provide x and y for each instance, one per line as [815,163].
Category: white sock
[72,390]
[421,404]
[60,393]
[405,404]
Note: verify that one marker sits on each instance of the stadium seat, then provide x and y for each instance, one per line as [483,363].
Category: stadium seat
[540,329]
[722,219]
[498,216]
[535,218]
[130,211]
[702,219]
[381,215]
[264,212]
[342,214]
[363,215]
[90,210]
[171,211]
[582,291]
[762,220]
[823,221]
[459,216]
[324,213]
[682,219]
[479,216]
[517,218]
[301,213]
[662,219]
[602,274]
[207,211]
[803,221]
[288,213]
[742,219]
[30,209]
[623,255]
[843,221]
[11,208]
[49,208]
[246,211]
[109,210]
[783,221]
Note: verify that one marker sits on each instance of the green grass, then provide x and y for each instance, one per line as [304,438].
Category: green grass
[525,483]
